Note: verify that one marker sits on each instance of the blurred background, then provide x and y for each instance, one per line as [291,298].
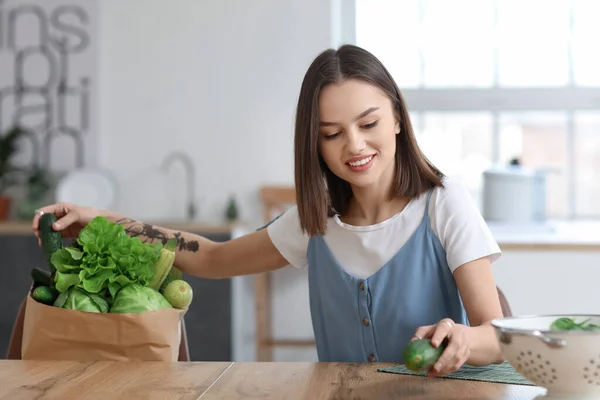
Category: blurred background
[181,113]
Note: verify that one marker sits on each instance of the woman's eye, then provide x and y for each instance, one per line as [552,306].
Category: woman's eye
[371,125]
[331,136]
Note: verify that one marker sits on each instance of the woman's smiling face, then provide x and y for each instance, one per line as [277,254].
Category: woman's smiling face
[358,133]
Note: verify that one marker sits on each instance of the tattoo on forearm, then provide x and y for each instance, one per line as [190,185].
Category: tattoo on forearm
[148,233]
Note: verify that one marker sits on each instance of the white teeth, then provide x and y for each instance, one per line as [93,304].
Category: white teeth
[361,162]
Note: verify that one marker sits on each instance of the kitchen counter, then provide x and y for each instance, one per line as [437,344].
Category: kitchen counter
[553,235]
[234,380]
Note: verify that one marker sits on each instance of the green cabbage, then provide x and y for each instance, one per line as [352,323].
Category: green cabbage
[77,299]
[135,298]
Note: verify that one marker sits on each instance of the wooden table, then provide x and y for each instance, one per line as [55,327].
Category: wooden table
[239,380]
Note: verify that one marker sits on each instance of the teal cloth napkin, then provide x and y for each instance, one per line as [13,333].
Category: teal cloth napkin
[500,373]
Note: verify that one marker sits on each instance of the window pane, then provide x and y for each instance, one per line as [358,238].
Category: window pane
[539,139]
[458,46]
[585,42]
[533,42]
[460,144]
[587,164]
[388,30]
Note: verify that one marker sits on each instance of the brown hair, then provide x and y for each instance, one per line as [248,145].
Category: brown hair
[319,192]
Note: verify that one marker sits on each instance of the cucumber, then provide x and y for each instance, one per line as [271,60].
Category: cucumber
[51,239]
[44,294]
[419,355]
[40,277]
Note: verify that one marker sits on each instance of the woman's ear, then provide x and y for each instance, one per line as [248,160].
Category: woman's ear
[397,127]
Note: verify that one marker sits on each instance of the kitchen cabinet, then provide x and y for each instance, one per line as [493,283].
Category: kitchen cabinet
[208,320]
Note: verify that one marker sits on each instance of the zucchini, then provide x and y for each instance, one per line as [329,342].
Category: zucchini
[51,239]
[162,268]
[419,355]
[40,277]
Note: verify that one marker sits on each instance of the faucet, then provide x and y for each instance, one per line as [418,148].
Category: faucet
[191,179]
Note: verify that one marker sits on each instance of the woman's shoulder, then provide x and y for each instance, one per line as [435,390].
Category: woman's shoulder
[287,236]
[457,221]
[453,195]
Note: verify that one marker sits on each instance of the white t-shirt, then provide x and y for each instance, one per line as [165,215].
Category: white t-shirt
[363,250]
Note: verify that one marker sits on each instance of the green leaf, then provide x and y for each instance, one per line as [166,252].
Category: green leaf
[61,299]
[171,244]
[64,261]
[76,254]
[565,324]
[100,302]
[114,288]
[65,281]
[121,280]
[95,283]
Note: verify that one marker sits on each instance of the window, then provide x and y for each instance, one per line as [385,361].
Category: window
[489,80]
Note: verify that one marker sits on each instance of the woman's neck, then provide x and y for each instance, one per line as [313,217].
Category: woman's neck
[372,205]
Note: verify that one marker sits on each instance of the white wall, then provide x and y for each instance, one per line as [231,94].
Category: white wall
[550,282]
[221,77]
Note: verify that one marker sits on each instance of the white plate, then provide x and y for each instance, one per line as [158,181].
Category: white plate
[88,187]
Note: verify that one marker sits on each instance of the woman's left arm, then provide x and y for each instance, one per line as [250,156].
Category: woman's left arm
[475,344]
[477,287]
[470,250]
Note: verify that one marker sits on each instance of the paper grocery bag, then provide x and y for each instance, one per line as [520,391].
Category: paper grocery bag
[52,333]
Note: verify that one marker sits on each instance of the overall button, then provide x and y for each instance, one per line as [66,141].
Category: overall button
[365,321]
[362,286]
[372,357]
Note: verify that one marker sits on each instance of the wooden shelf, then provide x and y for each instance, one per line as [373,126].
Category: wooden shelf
[288,343]
[547,246]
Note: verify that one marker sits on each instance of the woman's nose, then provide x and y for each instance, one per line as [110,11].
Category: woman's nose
[355,142]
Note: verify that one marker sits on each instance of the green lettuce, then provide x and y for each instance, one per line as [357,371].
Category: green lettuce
[135,298]
[104,259]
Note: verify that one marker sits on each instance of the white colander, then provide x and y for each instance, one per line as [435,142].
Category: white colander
[566,363]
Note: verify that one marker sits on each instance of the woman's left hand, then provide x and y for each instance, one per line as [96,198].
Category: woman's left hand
[457,350]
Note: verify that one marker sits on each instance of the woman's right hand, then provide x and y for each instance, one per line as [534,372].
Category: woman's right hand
[71,218]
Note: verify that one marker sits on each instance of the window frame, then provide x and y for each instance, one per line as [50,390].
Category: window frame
[496,99]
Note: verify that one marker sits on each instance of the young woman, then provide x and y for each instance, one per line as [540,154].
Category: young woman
[394,249]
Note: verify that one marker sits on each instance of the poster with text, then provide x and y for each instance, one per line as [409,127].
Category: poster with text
[48,81]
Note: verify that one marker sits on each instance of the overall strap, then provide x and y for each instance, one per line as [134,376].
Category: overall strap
[426,213]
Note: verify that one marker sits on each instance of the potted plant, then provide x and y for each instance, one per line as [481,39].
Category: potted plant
[38,185]
[232,213]
[8,173]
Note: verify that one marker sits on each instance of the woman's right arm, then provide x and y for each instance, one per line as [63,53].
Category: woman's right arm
[199,256]
[195,255]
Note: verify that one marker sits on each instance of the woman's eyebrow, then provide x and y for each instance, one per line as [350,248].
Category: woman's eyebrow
[361,115]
